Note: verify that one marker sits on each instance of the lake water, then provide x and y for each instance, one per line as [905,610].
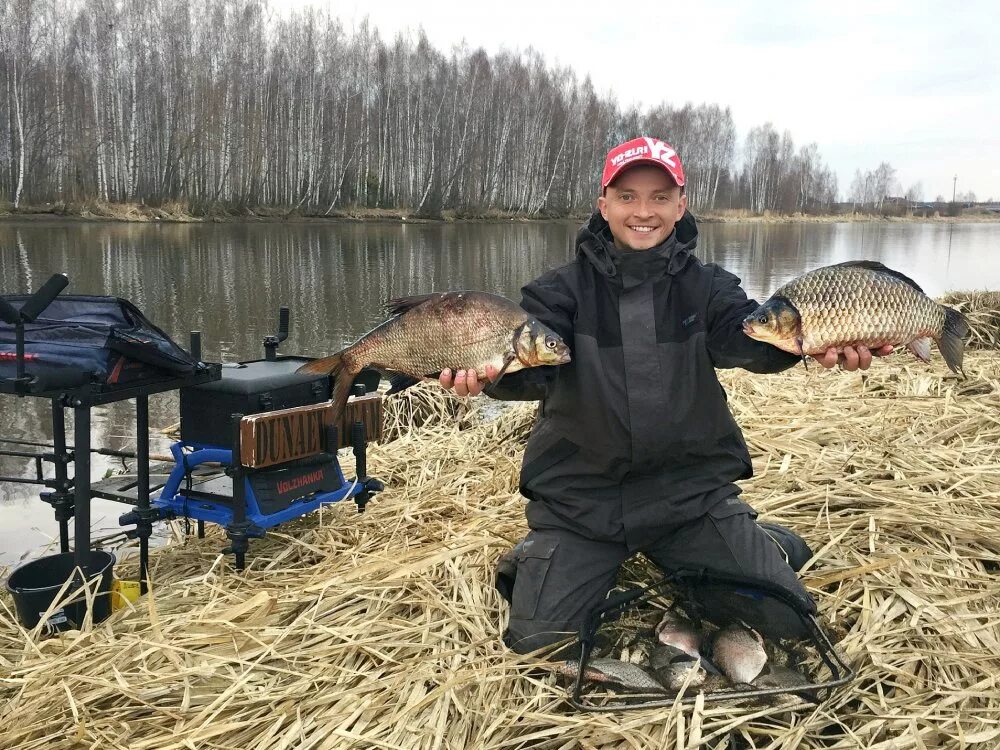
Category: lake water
[228,280]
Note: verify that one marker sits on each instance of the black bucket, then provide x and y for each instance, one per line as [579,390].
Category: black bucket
[34,587]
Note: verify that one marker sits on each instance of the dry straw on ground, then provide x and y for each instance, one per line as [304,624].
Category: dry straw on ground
[382,630]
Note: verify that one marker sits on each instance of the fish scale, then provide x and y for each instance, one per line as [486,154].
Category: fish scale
[853,304]
[414,346]
[843,307]
[450,330]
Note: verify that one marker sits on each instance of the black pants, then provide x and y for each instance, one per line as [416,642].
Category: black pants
[554,577]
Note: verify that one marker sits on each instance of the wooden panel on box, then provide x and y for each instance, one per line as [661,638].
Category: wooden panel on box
[276,437]
[365,409]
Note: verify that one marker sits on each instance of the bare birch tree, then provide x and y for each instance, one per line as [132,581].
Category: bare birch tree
[226,103]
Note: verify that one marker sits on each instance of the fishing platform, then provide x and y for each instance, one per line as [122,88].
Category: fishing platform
[258,441]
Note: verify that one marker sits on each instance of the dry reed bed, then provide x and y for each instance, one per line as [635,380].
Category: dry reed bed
[382,630]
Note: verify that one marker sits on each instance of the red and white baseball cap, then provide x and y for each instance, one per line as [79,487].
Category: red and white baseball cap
[644,150]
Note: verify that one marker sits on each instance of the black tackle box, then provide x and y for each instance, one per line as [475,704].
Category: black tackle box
[251,388]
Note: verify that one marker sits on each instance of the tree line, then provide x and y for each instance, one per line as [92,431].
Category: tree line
[227,103]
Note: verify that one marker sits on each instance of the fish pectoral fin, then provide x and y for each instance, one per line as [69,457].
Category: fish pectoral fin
[801,352]
[921,348]
[400,381]
[488,390]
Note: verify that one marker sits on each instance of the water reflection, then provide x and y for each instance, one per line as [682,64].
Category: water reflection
[228,280]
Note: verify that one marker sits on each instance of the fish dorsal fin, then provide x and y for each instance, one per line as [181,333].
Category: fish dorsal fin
[400,305]
[874,265]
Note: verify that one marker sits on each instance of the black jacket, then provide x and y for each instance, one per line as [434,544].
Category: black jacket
[634,435]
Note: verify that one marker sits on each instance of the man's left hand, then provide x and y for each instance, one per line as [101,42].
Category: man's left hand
[853,357]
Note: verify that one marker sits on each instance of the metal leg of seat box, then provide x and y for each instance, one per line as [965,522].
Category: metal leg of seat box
[237,529]
[81,484]
[61,499]
[144,527]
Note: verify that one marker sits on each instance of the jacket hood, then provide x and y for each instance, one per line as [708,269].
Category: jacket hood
[595,242]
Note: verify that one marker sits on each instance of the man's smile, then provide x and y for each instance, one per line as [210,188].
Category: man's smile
[642,206]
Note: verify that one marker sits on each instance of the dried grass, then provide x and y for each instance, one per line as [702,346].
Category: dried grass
[382,630]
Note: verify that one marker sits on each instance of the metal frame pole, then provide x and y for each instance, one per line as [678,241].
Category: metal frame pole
[144,526]
[81,484]
[238,528]
[61,495]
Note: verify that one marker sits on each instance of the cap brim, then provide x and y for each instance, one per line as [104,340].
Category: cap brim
[643,160]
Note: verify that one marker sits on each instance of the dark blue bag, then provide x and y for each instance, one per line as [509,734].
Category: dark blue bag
[87,339]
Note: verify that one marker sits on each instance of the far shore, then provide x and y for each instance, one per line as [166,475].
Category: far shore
[178,214]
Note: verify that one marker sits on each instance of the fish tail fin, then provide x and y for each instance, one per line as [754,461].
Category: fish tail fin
[341,392]
[332,365]
[343,378]
[956,327]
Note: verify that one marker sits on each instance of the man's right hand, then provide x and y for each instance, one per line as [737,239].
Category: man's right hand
[467,382]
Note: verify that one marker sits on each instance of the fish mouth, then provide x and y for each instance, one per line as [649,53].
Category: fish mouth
[564,356]
[747,328]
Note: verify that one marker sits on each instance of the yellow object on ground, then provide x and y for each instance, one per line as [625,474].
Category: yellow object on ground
[122,591]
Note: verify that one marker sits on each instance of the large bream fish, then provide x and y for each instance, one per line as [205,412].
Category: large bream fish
[451,330]
[857,303]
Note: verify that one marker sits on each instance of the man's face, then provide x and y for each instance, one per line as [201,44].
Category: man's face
[641,207]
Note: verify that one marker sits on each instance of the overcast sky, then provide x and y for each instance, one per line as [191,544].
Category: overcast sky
[916,84]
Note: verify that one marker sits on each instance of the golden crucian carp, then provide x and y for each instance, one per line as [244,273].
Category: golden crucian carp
[450,330]
[857,303]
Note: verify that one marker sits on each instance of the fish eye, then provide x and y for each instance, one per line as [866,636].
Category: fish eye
[762,319]
[550,343]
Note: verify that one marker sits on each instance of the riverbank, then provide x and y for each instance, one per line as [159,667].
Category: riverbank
[383,629]
[732,217]
[179,213]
